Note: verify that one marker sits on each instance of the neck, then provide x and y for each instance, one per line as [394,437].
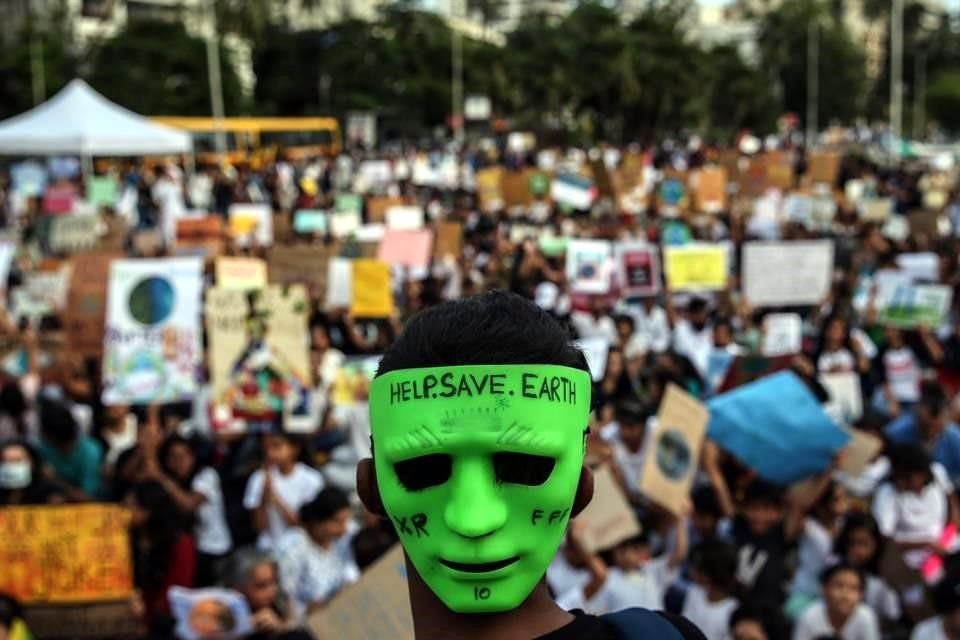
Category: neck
[715,595]
[432,620]
[286,469]
[836,619]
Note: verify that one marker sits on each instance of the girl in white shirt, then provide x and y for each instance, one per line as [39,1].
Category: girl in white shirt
[840,613]
[912,507]
[710,602]
[860,544]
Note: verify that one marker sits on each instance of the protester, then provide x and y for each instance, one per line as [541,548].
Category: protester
[841,612]
[22,480]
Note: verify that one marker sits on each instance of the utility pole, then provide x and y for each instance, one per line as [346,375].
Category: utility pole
[456,82]
[813,82]
[919,93]
[896,75]
[216,82]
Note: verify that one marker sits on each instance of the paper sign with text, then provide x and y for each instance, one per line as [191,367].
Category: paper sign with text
[241,273]
[65,553]
[673,450]
[251,222]
[372,296]
[608,520]
[915,306]
[72,233]
[696,267]
[589,265]
[411,249]
[787,273]
[638,269]
[782,334]
[823,167]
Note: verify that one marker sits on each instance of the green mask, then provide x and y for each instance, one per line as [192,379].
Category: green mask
[478,467]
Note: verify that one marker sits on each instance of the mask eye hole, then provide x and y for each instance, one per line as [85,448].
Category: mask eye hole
[424,472]
[522,468]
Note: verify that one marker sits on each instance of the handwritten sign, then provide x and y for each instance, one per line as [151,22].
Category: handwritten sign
[405,218]
[824,167]
[87,302]
[309,221]
[251,222]
[608,520]
[673,449]
[102,191]
[638,268]
[696,267]
[241,273]
[782,334]
[377,207]
[74,233]
[65,553]
[711,192]
[806,281]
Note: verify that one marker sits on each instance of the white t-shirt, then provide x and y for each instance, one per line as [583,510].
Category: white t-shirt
[813,624]
[713,618]
[212,532]
[839,361]
[296,489]
[815,549]
[912,517]
[695,345]
[903,374]
[587,326]
[644,587]
[629,463]
[654,326]
[882,598]
[931,629]
[310,574]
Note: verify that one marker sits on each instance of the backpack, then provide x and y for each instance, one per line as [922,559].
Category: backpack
[642,624]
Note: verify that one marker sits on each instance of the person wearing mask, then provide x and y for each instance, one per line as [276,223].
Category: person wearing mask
[314,558]
[21,477]
[929,426]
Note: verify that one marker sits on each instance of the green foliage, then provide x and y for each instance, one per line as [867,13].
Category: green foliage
[943,100]
[158,68]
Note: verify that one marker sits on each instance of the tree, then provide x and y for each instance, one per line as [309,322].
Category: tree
[943,100]
[156,67]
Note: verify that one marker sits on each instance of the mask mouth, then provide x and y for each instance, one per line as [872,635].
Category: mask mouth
[479,567]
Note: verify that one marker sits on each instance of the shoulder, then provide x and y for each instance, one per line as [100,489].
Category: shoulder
[292,540]
[642,623]
[89,447]
[206,478]
[307,474]
[902,428]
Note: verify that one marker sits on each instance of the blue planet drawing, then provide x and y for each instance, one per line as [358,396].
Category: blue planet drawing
[151,300]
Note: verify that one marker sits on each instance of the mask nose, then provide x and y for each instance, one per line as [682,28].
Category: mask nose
[474,509]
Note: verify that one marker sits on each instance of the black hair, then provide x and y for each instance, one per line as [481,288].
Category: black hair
[57,422]
[765,493]
[10,610]
[696,305]
[723,322]
[932,398]
[946,594]
[630,413]
[164,451]
[628,319]
[162,529]
[769,617]
[493,328]
[827,574]
[370,544]
[717,561]
[705,501]
[909,458]
[855,521]
[326,505]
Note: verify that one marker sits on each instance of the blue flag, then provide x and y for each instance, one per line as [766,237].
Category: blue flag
[776,427]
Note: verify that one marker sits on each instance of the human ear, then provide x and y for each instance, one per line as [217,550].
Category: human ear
[368,490]
[584,492]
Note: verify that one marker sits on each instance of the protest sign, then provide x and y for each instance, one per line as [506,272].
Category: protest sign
[377,607]
[489,191]
[601,178]
[750,367]
[113,619]
[638,269]
[449,241]
[696,267]
[752,179]
[595,350]
[915,306]
[349,202]
[921,267]
[845,405]
[59,199]
[205,613]
[896,228]
[859,452]
[876,209]
[344,223]
[672,451]
[353,376]
[515,187]
[806,280]
[300,264]
[258,359]
[411,249]
[65,553]
[87,303]
[43,292]
[372,296]
[776,427]
[553,246]
[339,283]
[71,233]
[152,338]
[102,191]
[573,191]
[251,222]
[589,265]
[204,234]
[779,170]
[241,273]
[378,206]
[711,191]
[29,179]
[405,218]
[608,520]
[309,221]
[282,225]
[823,167]
[375,174]
[923,222]
[782,334]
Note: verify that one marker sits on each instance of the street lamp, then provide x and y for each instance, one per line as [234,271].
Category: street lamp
[813,81]
[456,82]
[216,82]
[896,75]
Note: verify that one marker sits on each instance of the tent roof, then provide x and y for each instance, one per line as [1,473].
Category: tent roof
[80,121]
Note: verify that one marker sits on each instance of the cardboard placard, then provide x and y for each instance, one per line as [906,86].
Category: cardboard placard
[782,334]
[924,222]
[673,450]
[72,233]
[589,265]
[489,189]
[515,186]
[152,336]
[282,225]
[251,222]
[65,553]
[601,178]
[300,264]
[752,178]
[258,358]
[244,274]
[779,170]
[411,249]
[638,268]
[449,240]
[696,267]
[405,218]
[372,296]
[823,167]
[806,281]
[377,607]
[204,234]
[861,450]
[908,306]
[608,520]
[377,208]
[87,303]
[711,192]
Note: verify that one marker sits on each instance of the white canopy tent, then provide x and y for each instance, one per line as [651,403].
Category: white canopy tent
[79,121]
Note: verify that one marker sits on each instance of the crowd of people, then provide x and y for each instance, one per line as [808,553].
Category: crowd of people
[275,516]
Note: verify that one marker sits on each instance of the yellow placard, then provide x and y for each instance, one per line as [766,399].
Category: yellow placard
[372,297]
[243,225]
[243,274]
[696,267]
[65,553]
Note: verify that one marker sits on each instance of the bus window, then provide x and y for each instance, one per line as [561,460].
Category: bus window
[296,138]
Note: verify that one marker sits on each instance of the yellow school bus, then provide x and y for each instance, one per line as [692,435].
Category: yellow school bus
[258,140]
